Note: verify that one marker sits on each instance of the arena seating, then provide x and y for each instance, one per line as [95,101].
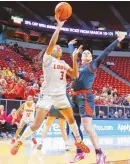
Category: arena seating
[121,67]
[32,52]
[102,77]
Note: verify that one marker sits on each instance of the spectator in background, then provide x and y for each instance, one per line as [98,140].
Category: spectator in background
[11,44]
[114,92]
[101,115]
[41,79]
[10,119]
[111,114]
[9,93]
[13,73]
[7,59]
[127,115]
[12,63]
[6,72]
[115,99]
[19,90]
[128,99]
[3,83]
[1,47]
[3,124]
[32,78]
[20,73]
[1,92]
[109,92]
[125,101]
[15,47]
[3,115]
[116,115]
[36,85]
[10,116]
[30,91]
[120,114]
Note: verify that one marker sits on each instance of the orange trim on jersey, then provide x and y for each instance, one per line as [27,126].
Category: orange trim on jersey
[94,72]
[82,91]
[88,108]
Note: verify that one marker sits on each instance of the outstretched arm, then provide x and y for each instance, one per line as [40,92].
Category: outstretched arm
[54,37]
[73,72]
[96,63]
[71,45]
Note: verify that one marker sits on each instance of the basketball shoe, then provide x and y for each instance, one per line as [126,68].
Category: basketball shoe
[100,158]
[78,157]
[82,146]
[16,147]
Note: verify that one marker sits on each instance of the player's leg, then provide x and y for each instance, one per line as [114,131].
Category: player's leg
[65,108]
[44,103]
[79,153]
[20,128]
[62,123]
[30,122]
[78,121]
[86,107]
[47,126]
[87,124]
[40,115]
[68,114]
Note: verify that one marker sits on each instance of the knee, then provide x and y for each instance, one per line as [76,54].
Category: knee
[88,130]
[71,120]
[62,129]
[47,125]
[35,127]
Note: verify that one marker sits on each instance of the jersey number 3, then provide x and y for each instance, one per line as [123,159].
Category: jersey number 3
[28,114]
[62,75]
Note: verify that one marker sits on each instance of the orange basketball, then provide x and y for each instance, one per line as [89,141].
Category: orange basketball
[63,11]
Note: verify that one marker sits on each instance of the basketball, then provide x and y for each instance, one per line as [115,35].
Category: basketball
[63,11]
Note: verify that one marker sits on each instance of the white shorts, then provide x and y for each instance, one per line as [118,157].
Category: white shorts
[27,120]
[59,102]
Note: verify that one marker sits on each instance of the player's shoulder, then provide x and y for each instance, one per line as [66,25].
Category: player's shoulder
[63,62]
[49,56]
[23,104]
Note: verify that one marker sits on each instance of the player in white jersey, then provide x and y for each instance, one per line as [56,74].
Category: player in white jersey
[53,91]
[28,110]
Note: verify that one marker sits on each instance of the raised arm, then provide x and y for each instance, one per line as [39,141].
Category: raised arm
[96,62]
[54,37]
[39,56]
[71,45]
[73,72]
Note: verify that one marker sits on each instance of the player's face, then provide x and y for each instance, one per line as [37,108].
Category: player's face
[13,111]
[30,98]
[86,57]
[57,51]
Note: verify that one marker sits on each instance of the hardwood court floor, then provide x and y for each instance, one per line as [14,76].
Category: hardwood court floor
[26,155]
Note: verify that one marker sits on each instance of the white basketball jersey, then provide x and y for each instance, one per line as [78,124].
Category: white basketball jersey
[54,76]
[28,112]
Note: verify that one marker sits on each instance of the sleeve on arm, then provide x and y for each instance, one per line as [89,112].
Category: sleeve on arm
[47,59]
[96,62]
[71,48]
